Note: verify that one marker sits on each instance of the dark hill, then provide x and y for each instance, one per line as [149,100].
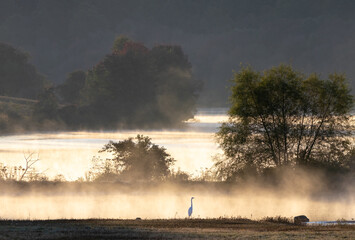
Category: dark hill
[63,36]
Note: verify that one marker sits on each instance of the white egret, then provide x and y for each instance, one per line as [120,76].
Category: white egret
[190,209]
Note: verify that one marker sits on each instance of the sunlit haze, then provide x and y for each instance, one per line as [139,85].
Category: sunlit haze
[70,153]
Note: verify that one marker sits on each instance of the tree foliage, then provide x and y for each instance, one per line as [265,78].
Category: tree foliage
[282,118]
[47,106]
[135,159]
[70,89]
[66,35]
[132,87]
[18,78]
[137,86]
[119,43]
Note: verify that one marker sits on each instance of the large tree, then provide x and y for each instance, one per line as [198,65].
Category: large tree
[281,117]
[137,86]
[120,86]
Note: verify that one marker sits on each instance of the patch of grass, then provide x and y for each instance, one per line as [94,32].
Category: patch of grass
[278,219]
[218,228]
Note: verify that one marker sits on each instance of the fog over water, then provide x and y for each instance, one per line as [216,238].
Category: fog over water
[170,202]
[70,154]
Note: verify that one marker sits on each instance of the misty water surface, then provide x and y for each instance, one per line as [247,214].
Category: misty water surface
[70,153]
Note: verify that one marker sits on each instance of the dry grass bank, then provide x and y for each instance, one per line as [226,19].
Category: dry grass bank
[168,229]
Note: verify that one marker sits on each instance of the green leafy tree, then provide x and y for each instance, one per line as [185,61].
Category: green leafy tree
[120,43]
[176,89]
[120,87]
[70,89]
[18,78]
[135,159]
[47,106]
[136,86]
[282,118]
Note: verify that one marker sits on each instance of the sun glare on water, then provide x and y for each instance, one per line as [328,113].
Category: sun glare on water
[70,153]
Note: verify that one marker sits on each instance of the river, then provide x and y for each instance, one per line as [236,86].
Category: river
[70,153]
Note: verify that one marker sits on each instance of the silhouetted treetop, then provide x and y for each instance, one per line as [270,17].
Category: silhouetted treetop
[136,86]
[135,159]
[120,43]
[18,78]
[70,89]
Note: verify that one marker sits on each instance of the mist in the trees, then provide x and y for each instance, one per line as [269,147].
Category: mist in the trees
[63,36]
[124,109]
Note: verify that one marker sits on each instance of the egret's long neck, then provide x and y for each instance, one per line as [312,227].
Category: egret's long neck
[191,202]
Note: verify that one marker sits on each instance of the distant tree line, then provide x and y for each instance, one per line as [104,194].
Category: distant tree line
[68,35]
[279,118]
[18,78]
[132,87]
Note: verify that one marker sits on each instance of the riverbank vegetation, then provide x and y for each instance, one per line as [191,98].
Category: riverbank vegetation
[282,125]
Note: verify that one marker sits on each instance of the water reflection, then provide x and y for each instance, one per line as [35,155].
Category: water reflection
[70,153]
